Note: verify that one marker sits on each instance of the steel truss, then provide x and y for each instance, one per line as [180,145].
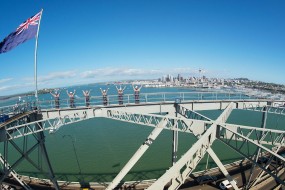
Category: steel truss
[173,123]
[175,176]
[142,149]
[254,142]
[188,161]
[247,147]
[269,109]
[264,136]
[191,114]
[253,106]
[16,120]
[180,171]
[28,128]
[238,137]
[262,174]
[26,150]
[17,127]
[245,134]
[7,167]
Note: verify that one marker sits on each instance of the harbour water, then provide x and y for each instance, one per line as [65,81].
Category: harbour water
[95,150]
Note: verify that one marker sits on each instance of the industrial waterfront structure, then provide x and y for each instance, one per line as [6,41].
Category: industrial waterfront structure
[177,115]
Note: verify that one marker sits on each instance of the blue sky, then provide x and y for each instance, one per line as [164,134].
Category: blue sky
[87,41]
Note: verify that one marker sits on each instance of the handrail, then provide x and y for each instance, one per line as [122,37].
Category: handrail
[127,99]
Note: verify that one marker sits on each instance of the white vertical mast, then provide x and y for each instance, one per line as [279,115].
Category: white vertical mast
[36,51]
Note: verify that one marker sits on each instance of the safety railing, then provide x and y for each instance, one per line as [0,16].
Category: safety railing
[143,98]
[127,99]
[17,108]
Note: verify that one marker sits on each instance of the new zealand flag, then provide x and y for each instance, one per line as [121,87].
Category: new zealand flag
[24,32]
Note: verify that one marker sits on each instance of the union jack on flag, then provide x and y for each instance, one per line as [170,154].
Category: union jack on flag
[31,21]
[24,32]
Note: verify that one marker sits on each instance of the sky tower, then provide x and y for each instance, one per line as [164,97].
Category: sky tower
[200,75]
[200,71]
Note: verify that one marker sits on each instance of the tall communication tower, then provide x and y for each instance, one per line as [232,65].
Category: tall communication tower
[200,75]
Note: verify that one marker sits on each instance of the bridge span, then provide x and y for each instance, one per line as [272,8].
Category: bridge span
[156,107]
[179,116]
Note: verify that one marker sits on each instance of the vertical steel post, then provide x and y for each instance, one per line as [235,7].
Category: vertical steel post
[263,125]
[41,139]
[206,168]
[175,134]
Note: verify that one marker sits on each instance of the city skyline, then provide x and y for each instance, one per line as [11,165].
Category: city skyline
[100,41]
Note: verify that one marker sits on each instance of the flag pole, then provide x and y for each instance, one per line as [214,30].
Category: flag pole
[36,69]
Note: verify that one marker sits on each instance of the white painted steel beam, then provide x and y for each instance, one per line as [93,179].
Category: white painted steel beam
[188,161]
[42,125]
[222,167]
[226,113]
[173,123]
[157,107]
[243,149]
[191,114]
[270,109]
[262,135]
[144,119]
[142,149]
[192,157]
[14,174]
[247,140]
[260,175]
[222,119]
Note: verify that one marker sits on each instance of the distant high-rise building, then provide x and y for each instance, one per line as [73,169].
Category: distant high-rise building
[179,77]
[200,73]
[168,77]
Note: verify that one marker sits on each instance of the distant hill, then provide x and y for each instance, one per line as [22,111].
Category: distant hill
[4,97]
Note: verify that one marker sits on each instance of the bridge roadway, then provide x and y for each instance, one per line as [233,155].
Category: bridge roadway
[203,128]
[240,173]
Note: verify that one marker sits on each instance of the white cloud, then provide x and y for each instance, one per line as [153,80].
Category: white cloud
[10,86]
[118,72]
[5,80]
[15,87]
[57,75]
[68,78]
[184,70]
